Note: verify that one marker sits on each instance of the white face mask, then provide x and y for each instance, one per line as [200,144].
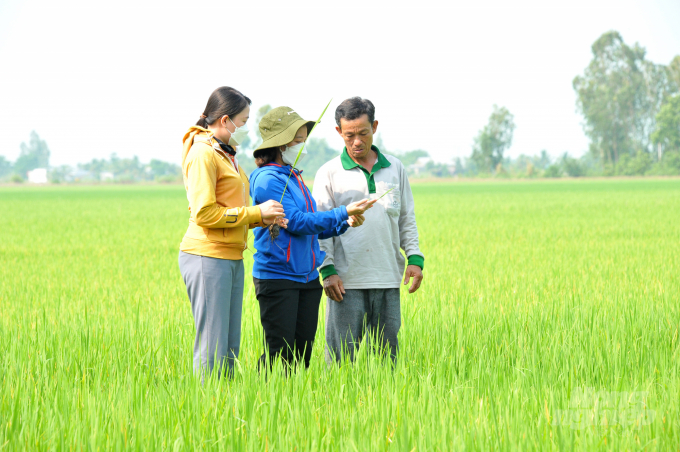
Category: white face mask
[239,134]
[288,156]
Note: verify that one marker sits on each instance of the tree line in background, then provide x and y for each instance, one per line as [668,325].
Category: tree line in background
[631,112]
[630,107]
[36,154]
[320,152]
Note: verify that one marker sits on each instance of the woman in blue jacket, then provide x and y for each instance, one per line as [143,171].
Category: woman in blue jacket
[285,270]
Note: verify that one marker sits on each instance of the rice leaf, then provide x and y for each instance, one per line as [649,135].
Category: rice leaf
[387,192]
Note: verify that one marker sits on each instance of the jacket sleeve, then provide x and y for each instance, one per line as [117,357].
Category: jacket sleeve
[335,231]
[408,231]
[299,222]
[201,175]
[260,223]
[323,194]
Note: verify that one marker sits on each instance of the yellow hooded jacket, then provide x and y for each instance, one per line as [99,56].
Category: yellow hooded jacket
[218,199]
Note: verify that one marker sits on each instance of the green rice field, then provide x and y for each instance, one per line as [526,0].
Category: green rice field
[548,320]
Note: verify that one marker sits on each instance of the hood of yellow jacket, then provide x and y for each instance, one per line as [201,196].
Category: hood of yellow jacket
[190,138]
[198,133]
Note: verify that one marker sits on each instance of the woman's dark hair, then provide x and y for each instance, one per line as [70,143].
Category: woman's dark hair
[354,108]
[266,155]
[225,100]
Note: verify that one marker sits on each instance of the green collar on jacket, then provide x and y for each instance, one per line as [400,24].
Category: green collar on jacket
[382,162]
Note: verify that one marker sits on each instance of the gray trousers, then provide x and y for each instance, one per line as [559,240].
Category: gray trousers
[215,289]
[373,313]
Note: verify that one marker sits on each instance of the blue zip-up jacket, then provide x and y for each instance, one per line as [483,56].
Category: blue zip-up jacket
[295,254]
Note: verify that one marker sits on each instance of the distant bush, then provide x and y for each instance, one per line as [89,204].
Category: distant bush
[16,178]
[572,167]
[672,162]
[553,171]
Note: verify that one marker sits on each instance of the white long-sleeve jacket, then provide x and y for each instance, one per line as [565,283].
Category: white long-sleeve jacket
[369,257]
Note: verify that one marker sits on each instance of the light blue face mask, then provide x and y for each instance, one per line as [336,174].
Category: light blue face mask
[239,134]
[290,154]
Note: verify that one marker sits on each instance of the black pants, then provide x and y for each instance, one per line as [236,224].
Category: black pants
[289,312]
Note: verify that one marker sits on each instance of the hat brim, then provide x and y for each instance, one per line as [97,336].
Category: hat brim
[285,136]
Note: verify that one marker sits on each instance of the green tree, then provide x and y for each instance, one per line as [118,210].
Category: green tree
[5,167]
[619,95]
[437,169]
[674,73]
[543,160]
[126,169]
[378,142]
[494,139]
[667,132]
[59,174]
[553,170]
[246,160]
[409,158]
[459,166]
[263,110]
[163,171]
[572,166]
[245,145]
[96,166]
[33,155]
[244,153]
[123,169]
[639,164]
[318,153]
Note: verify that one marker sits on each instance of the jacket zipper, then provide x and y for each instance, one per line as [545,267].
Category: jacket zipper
[243,195]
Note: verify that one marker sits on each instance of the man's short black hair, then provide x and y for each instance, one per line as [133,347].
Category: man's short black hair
[354,108]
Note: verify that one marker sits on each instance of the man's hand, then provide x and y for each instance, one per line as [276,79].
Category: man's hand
[411,271]
[334,289]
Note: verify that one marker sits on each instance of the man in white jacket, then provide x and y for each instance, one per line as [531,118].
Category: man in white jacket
[363,268]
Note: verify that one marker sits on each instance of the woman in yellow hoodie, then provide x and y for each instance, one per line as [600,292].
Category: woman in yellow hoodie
[211,253]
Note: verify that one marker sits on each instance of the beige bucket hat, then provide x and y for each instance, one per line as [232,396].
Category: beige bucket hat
[279,126]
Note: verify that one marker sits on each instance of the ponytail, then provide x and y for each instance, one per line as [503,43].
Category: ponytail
[203,122]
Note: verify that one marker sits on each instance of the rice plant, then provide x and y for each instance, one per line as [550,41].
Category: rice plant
[547,320]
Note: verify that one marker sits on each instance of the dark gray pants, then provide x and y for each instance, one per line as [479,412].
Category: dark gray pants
[362,312]
[215,289]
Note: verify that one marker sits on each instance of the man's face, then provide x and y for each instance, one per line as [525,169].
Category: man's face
[357,135]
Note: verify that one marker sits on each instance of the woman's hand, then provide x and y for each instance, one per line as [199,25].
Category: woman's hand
[356,220]
[282,222]
[270,210]
[359,207]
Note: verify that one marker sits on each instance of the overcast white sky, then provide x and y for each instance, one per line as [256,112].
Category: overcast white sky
[93,78]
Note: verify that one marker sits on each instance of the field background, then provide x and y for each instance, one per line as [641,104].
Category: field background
[531,289]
